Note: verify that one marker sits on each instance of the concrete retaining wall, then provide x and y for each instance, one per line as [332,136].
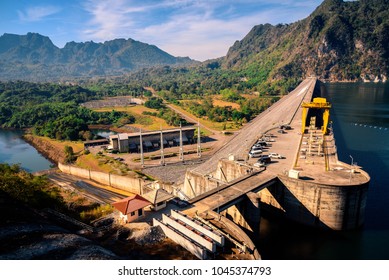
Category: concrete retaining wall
[196,184]
[133,185]
[196,249]
[319,205]
[228,170]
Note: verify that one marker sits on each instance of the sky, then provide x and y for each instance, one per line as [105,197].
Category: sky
[200,29]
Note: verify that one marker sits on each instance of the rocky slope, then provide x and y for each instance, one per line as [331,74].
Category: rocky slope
[339,41]
[34,57]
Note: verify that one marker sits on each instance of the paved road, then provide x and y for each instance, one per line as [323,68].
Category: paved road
[224,196]
[87,189]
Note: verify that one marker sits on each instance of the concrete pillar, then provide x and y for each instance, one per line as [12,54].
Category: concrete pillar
[198,140]
[253,212]
[181,153]
[246,213]
[162,154]
[141,148]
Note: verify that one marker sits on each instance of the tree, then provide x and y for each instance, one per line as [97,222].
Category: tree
[69,154]
[154,103]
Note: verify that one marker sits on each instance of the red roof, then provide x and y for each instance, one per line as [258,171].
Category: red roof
[130,204]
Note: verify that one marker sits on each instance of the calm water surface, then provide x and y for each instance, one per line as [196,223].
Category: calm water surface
[14,150]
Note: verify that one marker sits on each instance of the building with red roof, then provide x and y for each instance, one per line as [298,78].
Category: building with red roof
[132,207]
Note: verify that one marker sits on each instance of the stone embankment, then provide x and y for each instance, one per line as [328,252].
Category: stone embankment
[45,148]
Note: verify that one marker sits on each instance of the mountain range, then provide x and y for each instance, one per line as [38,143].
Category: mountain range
[35,57]
[339,41]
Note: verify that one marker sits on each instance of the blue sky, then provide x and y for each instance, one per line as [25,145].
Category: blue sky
[200,29]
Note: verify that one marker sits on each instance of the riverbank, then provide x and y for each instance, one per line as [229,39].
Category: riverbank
[51,149]
[54,151]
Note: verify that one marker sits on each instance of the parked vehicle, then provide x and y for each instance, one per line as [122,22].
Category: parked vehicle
[285,126]
[256,147]
[264,159]
[261,143]
[179,202]
[255,154]
[268,139]
[275,155]
[281,131]
[259,164]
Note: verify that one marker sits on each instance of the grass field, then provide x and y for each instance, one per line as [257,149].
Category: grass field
[60,145]
[142,121]
[91,162]
[219,126]
[217,101]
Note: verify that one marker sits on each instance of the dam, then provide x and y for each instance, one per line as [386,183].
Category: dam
[309,185]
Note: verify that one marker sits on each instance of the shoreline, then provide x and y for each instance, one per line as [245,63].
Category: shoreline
[48,151]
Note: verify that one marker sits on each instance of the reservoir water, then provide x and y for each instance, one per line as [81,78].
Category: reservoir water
[360,116]
[14,150]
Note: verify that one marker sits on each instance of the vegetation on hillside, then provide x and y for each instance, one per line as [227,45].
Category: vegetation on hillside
[53,110]
[27,188]
[39,193]
[340,40]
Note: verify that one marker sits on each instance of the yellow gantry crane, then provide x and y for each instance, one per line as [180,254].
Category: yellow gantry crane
[317,103]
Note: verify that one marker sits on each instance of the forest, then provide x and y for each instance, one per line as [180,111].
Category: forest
[53,110]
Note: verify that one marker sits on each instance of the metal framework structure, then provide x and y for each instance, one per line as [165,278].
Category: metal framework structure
[317,103]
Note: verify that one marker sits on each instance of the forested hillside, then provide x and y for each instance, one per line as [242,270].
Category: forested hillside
[53,110]
[339,41]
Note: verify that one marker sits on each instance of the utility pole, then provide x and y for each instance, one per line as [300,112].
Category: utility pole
[198,139]
[181,148]
[162,155]
[141,148]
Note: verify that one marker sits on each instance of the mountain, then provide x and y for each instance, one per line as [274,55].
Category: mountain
[35,57]
[339,41]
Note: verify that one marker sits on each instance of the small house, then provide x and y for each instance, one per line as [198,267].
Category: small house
[131,208]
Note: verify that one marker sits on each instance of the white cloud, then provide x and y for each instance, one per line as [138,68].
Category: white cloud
[201,29]
[110,19]
[38,13]
[203,36]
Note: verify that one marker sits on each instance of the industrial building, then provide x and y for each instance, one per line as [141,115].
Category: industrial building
[130,142]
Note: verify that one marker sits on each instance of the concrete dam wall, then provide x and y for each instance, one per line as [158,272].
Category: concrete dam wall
[318,205]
